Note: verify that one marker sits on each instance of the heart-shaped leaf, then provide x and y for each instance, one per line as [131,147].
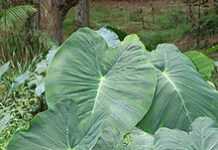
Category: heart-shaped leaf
[110,37]
[139,140]
[181,95]
[60,128]
[96,77]
[204,136]
[204,64]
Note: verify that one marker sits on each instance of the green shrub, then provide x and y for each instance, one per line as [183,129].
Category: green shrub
[208,25]
[171,19]
[153,38]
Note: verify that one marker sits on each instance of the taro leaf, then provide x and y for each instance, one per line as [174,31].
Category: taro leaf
[51,53]
[40,89]
[139,140]
[111,139]
[134,140]
[204,136]
[110,37]
[204,64]
[40,85]
[181,94]
[21,79]
[60,128]
[3,69]
[95,76]
[121,34]
[38,82]
[41,67]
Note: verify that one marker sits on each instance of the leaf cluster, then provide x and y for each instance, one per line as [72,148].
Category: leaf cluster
[106,94]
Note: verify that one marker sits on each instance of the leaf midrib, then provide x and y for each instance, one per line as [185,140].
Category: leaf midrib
[176,89]
[165,75]
[100,85]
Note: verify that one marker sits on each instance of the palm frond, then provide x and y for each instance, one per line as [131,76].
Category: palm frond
[16,16]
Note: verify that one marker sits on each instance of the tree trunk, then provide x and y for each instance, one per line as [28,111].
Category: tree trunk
[82,14]
[216,6]
[50,19]
[190,12]
[51,16]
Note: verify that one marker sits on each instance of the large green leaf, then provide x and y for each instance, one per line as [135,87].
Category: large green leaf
[203,136]
[181,94]
[111,139]
[139,140]
[135,139]
[121,34]
[60,128]
[204,64]
[15,16]
[110,37]
[94,76]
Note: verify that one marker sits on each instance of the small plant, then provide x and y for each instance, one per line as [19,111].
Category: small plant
[19,42]
[21,95]
[202,135]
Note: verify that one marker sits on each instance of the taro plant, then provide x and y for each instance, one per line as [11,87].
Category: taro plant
[103,94]
[96,76]
[60,128]
[204,64]
[102,78]
[181,93]
[203,135]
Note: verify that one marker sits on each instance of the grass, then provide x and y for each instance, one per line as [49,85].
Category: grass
[100,16]
[152,29]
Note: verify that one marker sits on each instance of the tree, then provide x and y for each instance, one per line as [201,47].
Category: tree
[52,14]
[82,13]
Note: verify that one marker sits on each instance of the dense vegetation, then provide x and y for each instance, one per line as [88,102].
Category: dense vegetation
[112,86]
[120,91]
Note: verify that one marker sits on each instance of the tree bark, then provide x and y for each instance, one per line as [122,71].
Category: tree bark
[82,14]
[50,15]
[50,19]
